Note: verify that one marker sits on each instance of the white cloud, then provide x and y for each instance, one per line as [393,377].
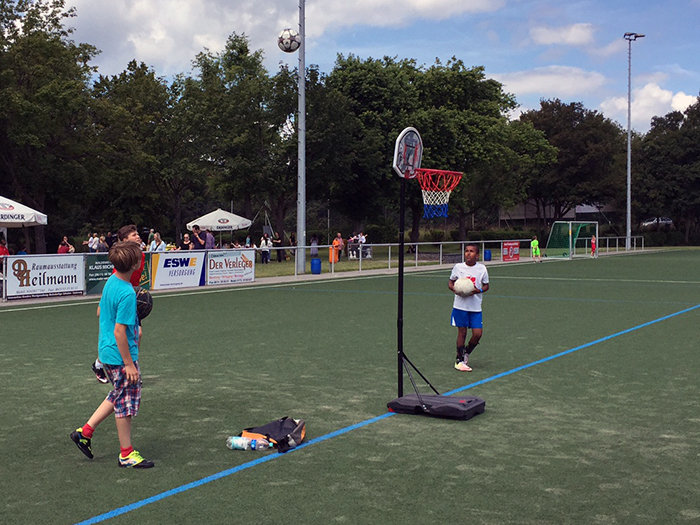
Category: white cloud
[552,82]
[572,35]
[681,101]
[613,48]
[168,34]
[649,101]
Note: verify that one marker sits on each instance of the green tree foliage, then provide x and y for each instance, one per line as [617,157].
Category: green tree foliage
[461,117]
[45,127]
[667,169]
[245,118]
[376,100]
[590,159]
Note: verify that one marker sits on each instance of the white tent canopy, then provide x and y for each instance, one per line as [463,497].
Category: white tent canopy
[220,221]
[16,215]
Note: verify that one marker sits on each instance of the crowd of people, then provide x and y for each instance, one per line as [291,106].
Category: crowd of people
[203,239]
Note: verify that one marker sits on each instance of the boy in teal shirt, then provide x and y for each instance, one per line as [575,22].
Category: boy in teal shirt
[119,352]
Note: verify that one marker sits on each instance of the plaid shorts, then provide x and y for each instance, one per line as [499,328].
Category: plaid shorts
[125,397]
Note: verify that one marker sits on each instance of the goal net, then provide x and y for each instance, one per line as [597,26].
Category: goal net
[567,239]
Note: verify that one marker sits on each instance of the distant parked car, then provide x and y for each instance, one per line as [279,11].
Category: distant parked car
[657,221]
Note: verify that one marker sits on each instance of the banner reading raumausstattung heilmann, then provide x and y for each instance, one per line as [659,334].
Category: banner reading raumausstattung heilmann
[45,275]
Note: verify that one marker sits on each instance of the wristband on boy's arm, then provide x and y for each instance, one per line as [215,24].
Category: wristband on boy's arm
[481,290]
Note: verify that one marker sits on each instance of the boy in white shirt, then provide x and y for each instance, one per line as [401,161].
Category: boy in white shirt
[466,311]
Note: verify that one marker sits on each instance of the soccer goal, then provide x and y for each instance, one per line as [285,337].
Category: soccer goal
[567,239]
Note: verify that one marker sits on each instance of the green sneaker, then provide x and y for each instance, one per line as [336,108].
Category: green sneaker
[84,444]
[135,460]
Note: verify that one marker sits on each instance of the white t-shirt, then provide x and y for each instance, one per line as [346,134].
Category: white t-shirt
[479,276]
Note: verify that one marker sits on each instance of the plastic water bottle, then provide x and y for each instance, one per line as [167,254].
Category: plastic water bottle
[243,443]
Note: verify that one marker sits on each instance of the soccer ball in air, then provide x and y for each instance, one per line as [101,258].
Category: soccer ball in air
[289,41]
[464,286]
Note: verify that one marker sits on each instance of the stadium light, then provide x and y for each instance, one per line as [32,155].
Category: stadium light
[300,255]
[630,37]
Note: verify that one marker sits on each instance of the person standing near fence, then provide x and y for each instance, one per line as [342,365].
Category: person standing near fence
[535,250]
[199,239]
[277,244]
[265,245]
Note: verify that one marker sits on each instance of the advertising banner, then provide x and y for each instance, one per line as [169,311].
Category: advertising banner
[97,271]
[179,269]
[45,275]
[511,251]
[226,267]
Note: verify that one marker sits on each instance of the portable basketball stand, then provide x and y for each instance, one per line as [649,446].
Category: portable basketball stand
[408,152]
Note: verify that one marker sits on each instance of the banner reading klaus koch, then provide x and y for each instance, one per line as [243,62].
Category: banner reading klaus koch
[177,269]
[45,275]
[227,267]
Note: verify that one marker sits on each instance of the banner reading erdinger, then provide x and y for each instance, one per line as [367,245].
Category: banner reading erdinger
[45,275]
[178,269]
[226,267]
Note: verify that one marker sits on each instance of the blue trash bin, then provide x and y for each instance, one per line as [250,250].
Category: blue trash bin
[316,266]
[487,255]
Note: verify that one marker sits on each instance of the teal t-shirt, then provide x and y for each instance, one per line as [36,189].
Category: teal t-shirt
[118,305]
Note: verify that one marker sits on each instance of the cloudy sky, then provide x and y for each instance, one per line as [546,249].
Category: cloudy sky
[572,50]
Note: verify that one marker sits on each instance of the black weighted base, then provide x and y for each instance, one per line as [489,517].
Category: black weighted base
[447,407]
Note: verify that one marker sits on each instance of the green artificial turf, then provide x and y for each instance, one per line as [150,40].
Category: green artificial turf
[608,433]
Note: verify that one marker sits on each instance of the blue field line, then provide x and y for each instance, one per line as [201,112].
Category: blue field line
[570,351]
[264,459]
[224,473]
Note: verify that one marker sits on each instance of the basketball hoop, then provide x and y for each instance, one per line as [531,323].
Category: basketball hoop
[437,186]
[408,152]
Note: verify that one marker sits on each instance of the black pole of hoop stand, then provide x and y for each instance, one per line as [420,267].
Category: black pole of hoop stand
[399,321]
[401,356]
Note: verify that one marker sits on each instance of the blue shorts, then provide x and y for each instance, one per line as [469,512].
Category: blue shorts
[464,319]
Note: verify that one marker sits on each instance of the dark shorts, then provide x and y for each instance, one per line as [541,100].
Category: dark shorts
[464,319]
[125,397]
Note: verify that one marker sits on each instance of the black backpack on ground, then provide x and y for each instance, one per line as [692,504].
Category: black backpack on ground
[285,433]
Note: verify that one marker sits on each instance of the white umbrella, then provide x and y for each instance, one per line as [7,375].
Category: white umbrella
[219,221]
[16,215]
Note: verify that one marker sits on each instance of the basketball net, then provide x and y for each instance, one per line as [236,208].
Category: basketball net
[436,186]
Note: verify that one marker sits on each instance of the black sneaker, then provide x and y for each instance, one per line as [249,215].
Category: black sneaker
[84,444]
[100,374]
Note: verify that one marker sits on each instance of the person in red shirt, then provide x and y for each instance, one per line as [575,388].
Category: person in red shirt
[125,233]
[3,247]
[65,246]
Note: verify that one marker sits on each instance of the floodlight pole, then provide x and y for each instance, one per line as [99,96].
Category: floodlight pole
[630,37]
[300,255]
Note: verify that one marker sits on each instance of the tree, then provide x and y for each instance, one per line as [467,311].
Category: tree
[589,168]
[244,115]
[377,99]
[45,128]
[668,179]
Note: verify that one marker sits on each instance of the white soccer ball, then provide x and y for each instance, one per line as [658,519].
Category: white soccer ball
[289,41]
[464,286]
